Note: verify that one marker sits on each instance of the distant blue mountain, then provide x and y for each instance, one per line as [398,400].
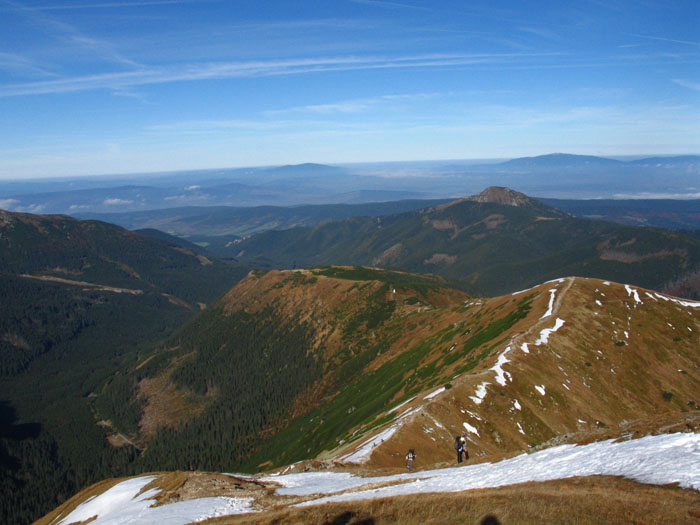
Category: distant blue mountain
[681,160]
[557,175]
[561,161]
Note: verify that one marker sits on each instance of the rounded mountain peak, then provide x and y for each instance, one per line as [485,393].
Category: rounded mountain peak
[501,195]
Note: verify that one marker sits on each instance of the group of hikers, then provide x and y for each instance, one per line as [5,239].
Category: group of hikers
[460,446]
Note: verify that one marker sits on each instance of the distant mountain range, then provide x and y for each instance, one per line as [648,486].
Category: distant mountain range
[496,242]
[561,161]
[230,223]
[554,176]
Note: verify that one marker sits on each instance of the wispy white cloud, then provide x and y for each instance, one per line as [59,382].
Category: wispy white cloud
[105,5]
[220,70]
[358,105]
[69,35]
[117,202]
[390,5]
[31,208]
[23,65]
[539,31]
[8,204]
[672,40]
[650,195]
[695,86]
[199,126]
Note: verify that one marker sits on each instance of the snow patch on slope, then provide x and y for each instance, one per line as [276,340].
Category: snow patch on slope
[480,394]
[691,304]
[470,428]
[498,367]
[633,292]
[550,308]
[124,503]
[662,459]
[362,454]
[364,451]
[544,334]
[435,393]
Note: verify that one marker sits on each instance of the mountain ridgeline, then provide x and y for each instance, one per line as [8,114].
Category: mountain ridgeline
[496,242]
[356,365]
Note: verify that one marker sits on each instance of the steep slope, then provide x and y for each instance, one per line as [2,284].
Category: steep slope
[496,242]
[591,359]
[355,365]
[77,298]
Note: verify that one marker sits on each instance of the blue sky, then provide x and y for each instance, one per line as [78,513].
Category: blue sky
[120,86]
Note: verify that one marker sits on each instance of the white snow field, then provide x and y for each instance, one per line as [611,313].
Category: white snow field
[668,458]
[122,504]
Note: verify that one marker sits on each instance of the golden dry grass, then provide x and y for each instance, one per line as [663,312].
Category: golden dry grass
[570,501]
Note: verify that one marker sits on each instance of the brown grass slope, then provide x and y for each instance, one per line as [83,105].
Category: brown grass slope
[621,356]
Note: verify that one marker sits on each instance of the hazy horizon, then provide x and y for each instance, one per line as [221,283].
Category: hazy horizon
[426,162]
[139,86]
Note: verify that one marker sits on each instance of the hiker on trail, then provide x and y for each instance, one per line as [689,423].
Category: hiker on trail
[464,446]
[410,456]
[458,448]
[461,447]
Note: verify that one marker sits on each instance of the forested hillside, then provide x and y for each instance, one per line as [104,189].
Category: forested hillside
[497,242]
[78,297]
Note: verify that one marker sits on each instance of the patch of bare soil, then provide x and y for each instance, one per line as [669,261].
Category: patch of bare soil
[165,405]
[183,486]
[389,255]
[101,287]
[437,258]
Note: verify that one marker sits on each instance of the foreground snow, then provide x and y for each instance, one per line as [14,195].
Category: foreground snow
[126,504]
[668,458]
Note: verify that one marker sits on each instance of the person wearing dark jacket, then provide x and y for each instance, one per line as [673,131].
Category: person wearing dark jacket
[461,448]
[458,448]
[410,457]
